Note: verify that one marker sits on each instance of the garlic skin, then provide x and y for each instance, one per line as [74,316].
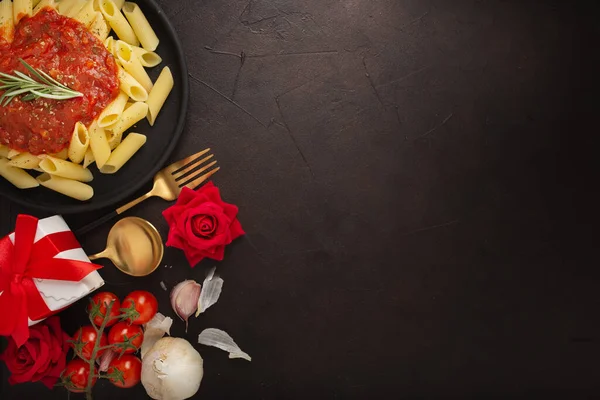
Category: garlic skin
[154,330]
[184,299]
[172,370]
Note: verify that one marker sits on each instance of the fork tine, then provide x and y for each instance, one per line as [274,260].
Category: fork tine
[177,165]
[196,182]
[179,175]
[196,173]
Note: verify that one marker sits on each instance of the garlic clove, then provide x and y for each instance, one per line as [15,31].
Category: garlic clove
[184,299]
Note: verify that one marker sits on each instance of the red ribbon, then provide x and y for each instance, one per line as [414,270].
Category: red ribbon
[21,263]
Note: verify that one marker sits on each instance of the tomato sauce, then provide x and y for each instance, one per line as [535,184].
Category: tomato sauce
[63,48]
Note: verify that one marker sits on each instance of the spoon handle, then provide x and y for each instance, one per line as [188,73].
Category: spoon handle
[94,224]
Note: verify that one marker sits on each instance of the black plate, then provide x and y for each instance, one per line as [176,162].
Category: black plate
[111,190]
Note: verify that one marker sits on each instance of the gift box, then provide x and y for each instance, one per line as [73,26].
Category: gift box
[43,269]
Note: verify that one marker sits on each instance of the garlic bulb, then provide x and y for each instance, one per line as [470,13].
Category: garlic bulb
[172,370]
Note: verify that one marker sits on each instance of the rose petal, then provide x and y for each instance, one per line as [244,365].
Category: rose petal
[186,196]
[236,229]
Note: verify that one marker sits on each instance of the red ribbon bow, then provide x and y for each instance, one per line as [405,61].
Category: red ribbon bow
[21,263]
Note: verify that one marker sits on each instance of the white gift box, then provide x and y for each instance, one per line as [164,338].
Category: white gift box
[61,294]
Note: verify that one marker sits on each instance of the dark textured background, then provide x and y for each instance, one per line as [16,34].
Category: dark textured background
[415,179]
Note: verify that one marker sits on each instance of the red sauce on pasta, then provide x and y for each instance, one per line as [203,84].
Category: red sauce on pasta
[63,48]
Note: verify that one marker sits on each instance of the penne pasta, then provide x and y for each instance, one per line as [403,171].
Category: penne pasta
[129,117]
[65,5]
[35,2]
[89,158]
[75,8]
[118,22]
[132,64]
[133,88]
[80,141]
[87,13]
[147,58]
[4,151]
[66,169]
[123,153]
[43,4]
[119,3]
[12,153]
[99,145]
[25,161]
[140,25]
[68,187]
[113,111]
[21,9]
[159,93]
[99,27]
[7,23]
[16,176]
[62,155]
[109,43]
[113,140]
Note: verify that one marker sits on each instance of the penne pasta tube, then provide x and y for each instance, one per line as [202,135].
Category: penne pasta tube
[131,64]
[113,139]
[66,169]
[129,85]
[134,68]
[4,151]
[68,187]
[25,161]
[159,93]
[147,58]
[140,25]
[80,141]
[117,22]
[12,153]
[99,27]
[99,145]
[16,176]
[74,10]
[123,153]
[43,4]
[7,22]
[62,155]
[119,3]
[35,2]
[87,13]
[21,9]
[113,111]
[109,43]
[129,117]
[89,158]
[65,5]
[122,51]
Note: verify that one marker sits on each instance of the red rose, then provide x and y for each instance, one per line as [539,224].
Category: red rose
[201,224]
[41,358]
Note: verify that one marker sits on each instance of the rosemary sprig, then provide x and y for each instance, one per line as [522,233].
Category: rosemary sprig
[43,86]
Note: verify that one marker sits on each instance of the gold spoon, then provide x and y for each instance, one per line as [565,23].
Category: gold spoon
[134,246]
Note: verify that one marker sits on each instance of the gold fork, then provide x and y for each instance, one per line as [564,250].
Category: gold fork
[168,183]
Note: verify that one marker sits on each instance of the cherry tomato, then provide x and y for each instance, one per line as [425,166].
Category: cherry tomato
[87,335]
[122,332]
[130,366]
[76,375]
[145,304]
[102,300]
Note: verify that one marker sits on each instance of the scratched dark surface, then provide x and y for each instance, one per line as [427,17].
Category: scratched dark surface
[414,178]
